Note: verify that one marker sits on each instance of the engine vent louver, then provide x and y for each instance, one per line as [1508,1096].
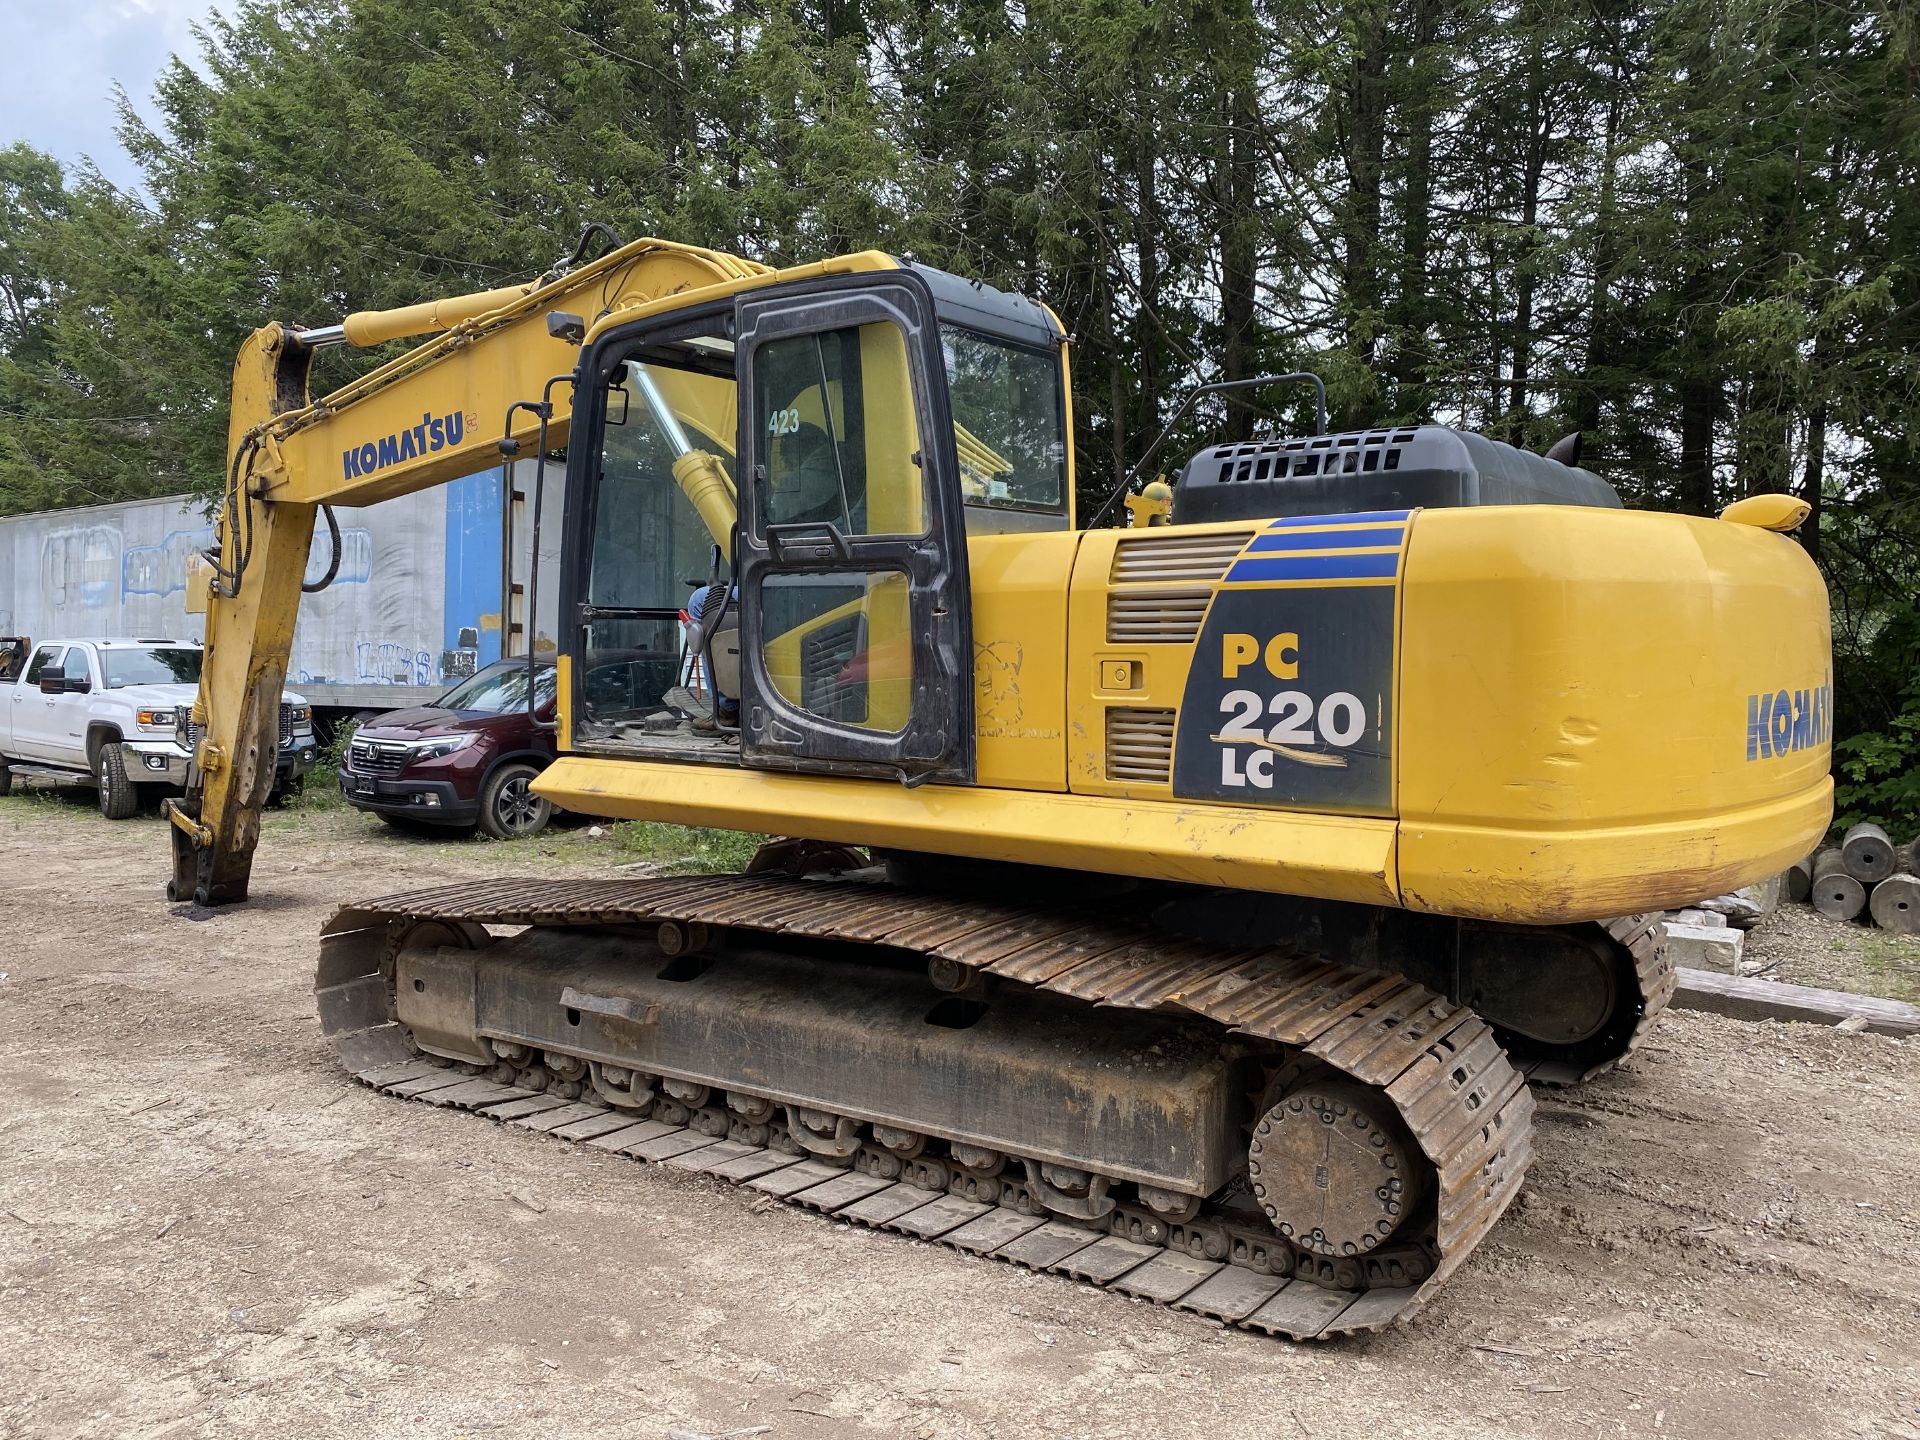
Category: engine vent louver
[1171,556]
[1315,455]
[1140,746]
[1156,617]
[1169,605]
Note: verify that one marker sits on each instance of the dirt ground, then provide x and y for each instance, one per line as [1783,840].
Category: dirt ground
[205,1229]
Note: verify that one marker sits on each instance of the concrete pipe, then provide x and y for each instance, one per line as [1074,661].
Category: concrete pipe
[1896,904]
[1799,880]
[1867,853]
[1836,894]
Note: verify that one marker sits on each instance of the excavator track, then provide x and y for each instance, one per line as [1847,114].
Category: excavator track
[1654,980]
[1437,1065]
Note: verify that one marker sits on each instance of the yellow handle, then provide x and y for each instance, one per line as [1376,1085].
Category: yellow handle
[1768,512]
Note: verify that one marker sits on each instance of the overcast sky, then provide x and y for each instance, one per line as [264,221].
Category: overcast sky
[64,58]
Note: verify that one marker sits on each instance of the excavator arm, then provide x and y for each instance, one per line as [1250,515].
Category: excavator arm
[435,413]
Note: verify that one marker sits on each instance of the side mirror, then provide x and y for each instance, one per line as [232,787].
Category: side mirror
[53,680]
[78,685]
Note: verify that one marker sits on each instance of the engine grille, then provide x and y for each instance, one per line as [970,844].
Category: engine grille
[1169,556]
[1156,617]
[1140,746]
[375,757]
[1313,455]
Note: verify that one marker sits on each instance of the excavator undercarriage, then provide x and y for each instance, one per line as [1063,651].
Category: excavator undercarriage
[1255,1132]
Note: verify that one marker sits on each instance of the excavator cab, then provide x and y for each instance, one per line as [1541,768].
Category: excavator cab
[807,433]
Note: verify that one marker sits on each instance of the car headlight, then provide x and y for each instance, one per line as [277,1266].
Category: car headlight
[156,719]
[302,717]
[442,745]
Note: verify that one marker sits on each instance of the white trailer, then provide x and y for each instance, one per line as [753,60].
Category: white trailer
[423,596]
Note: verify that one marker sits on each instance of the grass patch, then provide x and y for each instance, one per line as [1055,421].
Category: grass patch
[685,849]
[321,790]
[1894,963]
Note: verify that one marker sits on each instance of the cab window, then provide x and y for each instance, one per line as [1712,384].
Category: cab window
[841,436]
[42,658]
[662,519]
[1009,422]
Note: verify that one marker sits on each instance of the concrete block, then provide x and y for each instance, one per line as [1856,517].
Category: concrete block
[1709,919]
[1703,947]
[1767,894]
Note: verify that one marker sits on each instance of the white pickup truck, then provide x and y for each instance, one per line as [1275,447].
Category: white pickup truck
[114,712]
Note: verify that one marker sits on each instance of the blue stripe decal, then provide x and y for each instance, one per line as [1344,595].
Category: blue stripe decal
[1288,521]
[1316,567]
[1328,539]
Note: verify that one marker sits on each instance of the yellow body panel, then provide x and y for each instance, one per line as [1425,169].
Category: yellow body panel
[1571,724]
[1334,857]
[1129,675]
[1575,687]
[1020,657]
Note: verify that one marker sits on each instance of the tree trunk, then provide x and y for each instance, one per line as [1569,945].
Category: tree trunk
[1366,146]
[1411,359]
[1239,225]
[1146,242]
[1586,406]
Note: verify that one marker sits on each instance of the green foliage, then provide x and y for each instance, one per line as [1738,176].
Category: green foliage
[1686,229]
[687,849]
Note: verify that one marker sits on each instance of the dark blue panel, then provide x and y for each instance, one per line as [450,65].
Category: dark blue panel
[1317,567]
[474,561]
[1328,539]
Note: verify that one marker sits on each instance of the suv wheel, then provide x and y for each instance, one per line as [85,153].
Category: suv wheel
[509,810]
[118,798]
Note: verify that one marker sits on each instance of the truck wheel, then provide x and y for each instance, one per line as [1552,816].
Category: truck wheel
[509,810]
[6,779]
[119,799]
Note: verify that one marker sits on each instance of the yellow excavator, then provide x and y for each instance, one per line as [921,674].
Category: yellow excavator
[1184,906]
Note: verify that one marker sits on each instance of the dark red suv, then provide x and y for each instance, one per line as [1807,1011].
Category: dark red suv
[468,760]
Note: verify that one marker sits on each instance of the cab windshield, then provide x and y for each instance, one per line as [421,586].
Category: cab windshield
[161,665]
[501,687]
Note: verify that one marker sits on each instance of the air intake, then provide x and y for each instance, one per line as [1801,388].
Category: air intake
[1140,746]
[1171,556]
[1156,617]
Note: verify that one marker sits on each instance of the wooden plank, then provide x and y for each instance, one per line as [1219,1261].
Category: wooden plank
[1743,999]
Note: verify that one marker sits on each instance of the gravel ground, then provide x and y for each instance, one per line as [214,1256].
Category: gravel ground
[205,1229]
[1799,944]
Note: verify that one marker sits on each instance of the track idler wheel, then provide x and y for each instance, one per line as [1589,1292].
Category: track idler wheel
[1335,1169]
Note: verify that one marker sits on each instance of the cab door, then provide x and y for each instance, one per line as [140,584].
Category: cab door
[856,632]
[70,711]
[32,710]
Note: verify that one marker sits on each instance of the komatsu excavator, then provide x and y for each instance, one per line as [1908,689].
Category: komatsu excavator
[1183,906]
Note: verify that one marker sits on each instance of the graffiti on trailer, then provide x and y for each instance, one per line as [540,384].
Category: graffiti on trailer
[76,567]
[385,662]
[161,569]
[356,556]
